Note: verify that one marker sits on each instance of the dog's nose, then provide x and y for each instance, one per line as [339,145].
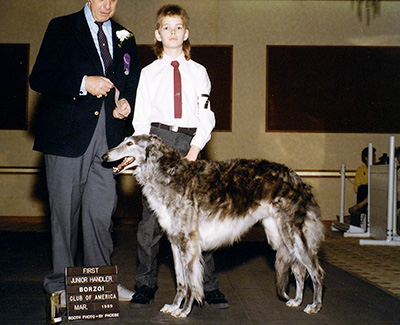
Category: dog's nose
[105,157]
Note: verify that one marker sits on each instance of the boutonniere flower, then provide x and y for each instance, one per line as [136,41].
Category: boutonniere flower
[123,35]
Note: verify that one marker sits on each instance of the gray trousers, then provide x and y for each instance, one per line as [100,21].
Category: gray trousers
[149,232]
[80,187]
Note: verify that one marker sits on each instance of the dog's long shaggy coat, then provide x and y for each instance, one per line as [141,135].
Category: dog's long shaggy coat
[204,205]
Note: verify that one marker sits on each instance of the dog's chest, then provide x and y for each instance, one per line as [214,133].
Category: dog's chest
[157,204]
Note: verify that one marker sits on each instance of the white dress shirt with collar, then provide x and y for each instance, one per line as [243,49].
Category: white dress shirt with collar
[107,28]
[155,98]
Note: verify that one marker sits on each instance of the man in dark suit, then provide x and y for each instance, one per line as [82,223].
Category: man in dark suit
[84,59]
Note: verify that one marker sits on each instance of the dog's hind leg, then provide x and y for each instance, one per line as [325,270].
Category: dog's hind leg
[283,260]
[311,263]
[282,267]
[299,272]
[317,274]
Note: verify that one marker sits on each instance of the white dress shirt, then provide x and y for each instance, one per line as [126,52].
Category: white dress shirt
[155,98]
[107,28]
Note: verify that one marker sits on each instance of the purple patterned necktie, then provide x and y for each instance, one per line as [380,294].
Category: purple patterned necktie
[104,51]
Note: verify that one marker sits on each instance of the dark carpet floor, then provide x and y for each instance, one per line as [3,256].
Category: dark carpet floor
[246,276]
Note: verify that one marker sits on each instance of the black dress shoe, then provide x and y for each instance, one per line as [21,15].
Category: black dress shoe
[216,299]
[143,297]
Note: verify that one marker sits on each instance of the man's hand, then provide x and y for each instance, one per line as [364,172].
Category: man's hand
[122,110]
[98,85]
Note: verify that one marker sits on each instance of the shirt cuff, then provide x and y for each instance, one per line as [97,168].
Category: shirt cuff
[82,90]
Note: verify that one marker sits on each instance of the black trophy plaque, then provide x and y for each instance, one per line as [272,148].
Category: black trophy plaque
[92,293]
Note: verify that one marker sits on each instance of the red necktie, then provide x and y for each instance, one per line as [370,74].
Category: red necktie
[177,90]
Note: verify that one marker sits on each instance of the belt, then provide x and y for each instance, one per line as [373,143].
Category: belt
[188,131]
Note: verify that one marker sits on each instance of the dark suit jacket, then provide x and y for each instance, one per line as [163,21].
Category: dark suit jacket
[66,121]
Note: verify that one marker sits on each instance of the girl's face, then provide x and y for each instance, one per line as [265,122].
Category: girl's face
[172,32]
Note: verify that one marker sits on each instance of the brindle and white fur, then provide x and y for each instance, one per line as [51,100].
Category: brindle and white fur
[204,205]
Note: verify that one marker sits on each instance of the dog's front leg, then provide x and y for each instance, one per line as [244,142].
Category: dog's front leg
[193,271]
[181,289]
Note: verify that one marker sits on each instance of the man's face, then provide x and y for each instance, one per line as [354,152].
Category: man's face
[102,10]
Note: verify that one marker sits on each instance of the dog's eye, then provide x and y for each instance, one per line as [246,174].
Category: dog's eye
[130,143]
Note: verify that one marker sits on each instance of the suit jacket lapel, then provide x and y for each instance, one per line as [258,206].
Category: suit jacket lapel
[83,34]
[117,50]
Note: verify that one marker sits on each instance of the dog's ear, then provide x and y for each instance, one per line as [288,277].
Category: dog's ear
[153,152]
[154,139]
[153,147]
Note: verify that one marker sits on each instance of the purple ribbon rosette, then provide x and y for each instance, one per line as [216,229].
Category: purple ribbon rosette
[127,63]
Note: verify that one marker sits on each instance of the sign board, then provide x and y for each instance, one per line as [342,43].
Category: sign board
[92,293]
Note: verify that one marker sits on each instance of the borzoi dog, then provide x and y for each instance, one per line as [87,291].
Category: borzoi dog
[204,205]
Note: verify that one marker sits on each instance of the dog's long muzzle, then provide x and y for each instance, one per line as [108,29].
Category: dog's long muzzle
[122,166]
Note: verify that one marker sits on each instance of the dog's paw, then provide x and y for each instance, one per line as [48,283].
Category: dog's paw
[169,309]
[293,303]
[283,295]
[313,308]
[174,311]
[179,314]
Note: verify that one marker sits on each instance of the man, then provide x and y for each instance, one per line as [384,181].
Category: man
[360,185]
[80,119]
[361,179]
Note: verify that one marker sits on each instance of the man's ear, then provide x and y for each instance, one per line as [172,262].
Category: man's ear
[157,35]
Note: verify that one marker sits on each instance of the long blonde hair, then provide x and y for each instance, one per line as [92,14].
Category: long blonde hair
[171,11]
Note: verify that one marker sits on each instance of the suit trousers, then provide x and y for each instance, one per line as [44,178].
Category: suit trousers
[80,188]
[149,231]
